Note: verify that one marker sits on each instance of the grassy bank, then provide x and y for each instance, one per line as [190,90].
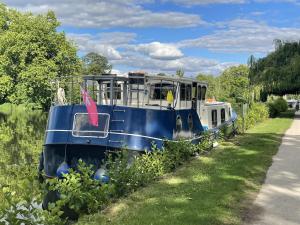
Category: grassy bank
[213,189]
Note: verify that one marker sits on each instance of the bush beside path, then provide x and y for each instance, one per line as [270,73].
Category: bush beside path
[214,189]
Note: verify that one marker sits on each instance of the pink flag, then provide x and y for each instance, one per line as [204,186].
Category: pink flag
[91,108]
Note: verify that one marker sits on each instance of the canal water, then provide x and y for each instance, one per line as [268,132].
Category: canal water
[21,138]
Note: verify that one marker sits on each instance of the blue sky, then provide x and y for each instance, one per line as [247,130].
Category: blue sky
[204,36]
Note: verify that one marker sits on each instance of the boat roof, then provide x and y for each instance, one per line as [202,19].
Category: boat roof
[108,77]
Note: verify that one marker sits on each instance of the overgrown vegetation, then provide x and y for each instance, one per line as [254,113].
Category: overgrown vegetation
[21,135]
[277,106]
[256,113]
[82,194]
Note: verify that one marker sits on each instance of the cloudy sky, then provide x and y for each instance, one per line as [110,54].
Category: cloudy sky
[163,35]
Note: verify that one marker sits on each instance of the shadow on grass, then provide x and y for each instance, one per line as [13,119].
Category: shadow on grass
[288,114]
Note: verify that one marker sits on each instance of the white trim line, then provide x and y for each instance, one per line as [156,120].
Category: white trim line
[135,135]
[110,132]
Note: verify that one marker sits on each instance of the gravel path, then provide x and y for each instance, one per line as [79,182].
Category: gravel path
[278,202]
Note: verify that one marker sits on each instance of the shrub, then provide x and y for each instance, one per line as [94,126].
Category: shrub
[278,106]
[257,113]
[20,198]
[79,191]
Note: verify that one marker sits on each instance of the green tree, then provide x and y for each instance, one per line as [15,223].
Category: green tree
[213,82]
[232,85]
[279,72]
[235,84]
[161,74]
[180,73]
[95,64]
[32,53]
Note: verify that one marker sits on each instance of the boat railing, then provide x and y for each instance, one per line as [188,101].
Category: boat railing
[109,89]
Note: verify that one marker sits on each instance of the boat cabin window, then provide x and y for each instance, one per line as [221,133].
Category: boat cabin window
[83,128]
[116,90]
[203,92]
[182,92]
[185,95]
[160,91]
[222,115]
[214,118]
[188,92]
[185,92]
[199,93]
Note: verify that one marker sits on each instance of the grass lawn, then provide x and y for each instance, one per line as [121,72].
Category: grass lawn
[212,189]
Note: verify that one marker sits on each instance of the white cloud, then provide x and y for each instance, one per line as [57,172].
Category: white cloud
[99,44]
[240,35]
[116,38]
[103,14]
[191,65]
[154,56]
[157,50]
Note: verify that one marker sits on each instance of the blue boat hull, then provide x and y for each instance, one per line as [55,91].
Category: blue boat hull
[136,129]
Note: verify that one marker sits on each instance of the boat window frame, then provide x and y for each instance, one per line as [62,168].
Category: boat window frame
[199,97]
[203,92]
[214,123]
[150,82]
[188,88]
[182,90]
[162,86]
[105,132]
[188,91]
[223,115]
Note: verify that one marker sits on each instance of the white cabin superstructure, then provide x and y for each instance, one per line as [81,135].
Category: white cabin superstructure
[141,90]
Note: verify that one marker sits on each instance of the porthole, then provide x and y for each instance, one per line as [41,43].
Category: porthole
[190,122]
[178,124]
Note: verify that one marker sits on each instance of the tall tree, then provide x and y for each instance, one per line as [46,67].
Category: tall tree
[232,85]
[32,53]
[279,72]
[180,73]
[235,84]
[95,64]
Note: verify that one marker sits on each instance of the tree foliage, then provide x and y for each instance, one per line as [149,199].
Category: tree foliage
[279,72]
[180,73]
[213,82]
[235,83]
[32,53]
[232,85]
[95,64]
